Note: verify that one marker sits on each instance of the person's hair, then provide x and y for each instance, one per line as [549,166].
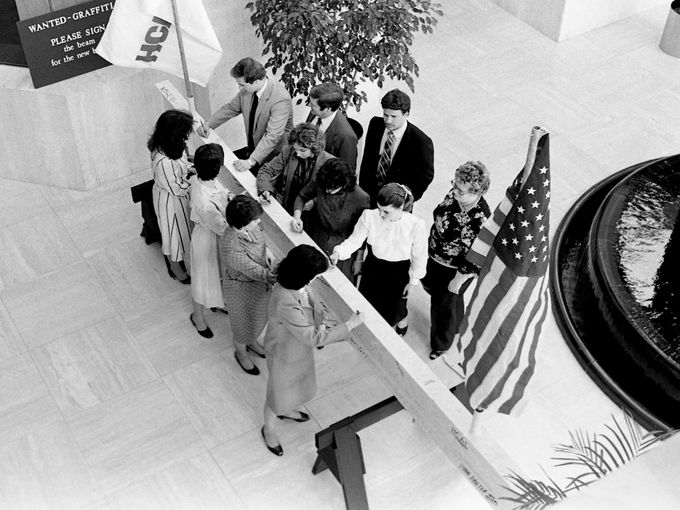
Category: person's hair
[336,173]
[300,266]
[395,99]
[241,210]
[249,69]
[309,136]
[170,135]
[395,194]
[476,175]
[328,95]
[208,160]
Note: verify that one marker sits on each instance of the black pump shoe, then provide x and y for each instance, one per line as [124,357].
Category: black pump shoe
[205,333]
[303,417]
[249,371]
[401,331]
[276,450]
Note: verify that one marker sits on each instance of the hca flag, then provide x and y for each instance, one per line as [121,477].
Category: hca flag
[140,33]
[500,332]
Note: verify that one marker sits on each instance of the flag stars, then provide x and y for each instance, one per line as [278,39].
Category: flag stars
[518,256]
[547,195]
[532,248]
[534,260]
[525,223]
[520,210]
[546,183]
[539,217]
[543,239]
[512,227]
[528,237]
[531,191]
[534,205]
[543,170]
[515,241]
[541,228]
[504,242]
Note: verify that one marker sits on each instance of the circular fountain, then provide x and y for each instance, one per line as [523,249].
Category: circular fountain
[615,292]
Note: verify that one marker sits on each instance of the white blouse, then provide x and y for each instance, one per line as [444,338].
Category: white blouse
[403,239]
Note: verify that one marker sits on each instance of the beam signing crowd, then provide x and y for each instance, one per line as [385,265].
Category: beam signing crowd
[362,220]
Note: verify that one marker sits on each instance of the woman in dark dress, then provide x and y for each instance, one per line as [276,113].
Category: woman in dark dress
[457,222]
[339,202]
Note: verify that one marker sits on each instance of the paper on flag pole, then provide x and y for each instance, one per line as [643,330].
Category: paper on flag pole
[500,331]
[141,33]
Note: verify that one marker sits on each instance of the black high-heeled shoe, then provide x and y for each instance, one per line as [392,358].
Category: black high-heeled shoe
[401,331]
[249,371]
[205,333]
[303,417]
[187,278]
[276,450]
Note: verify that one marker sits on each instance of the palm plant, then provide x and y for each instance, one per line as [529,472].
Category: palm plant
[594,454]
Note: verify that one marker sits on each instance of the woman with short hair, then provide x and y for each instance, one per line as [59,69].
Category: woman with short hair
[209,199]
[339,201]
[171,171]
[297,324]
[397,253]
[297,164]
[457,222]
[247,277]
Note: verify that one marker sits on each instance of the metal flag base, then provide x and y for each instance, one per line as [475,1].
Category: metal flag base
[339,450]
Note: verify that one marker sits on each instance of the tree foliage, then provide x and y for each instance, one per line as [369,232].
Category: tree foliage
[345,41]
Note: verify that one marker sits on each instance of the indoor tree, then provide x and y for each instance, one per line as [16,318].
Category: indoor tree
[345,41]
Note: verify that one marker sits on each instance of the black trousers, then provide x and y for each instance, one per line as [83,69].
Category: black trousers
[446,308]
[244,153]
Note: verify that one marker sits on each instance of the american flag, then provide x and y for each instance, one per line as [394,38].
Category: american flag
[500,331]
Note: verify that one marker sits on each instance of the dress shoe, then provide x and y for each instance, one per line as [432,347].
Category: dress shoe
[205,333]
[276,450]
[303,417]
[258,354]
[401,331]
[249,371]
[436,354]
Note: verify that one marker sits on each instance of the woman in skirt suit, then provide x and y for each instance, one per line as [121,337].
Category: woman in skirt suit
[171,172]
[397,253]
[209,201]
[247,277]
[296,326]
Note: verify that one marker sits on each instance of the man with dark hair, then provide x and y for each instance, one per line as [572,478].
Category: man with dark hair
[341,141]
[267,114]
[396,150]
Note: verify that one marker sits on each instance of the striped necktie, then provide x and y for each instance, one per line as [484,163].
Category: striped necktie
[385,158]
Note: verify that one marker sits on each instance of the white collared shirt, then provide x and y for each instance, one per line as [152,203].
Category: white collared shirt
[404,239]
[261,91]
[398,135]
[325,122]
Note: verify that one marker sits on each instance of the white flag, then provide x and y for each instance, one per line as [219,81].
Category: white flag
[140,33]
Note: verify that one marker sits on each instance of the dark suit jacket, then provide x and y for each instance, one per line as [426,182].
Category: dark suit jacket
[412,164]
[273,118]
[341,141]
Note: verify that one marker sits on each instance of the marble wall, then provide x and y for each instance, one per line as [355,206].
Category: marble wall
[92,129]
[562,19]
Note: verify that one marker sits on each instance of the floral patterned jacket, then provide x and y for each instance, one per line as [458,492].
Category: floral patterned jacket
[454,231]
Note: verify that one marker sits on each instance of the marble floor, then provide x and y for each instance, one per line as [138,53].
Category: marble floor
[110,400]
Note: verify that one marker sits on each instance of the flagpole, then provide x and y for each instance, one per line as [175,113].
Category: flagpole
[187,82]
[537,133]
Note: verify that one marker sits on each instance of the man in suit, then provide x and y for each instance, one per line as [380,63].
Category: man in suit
[341,141]
[267,114]
[395,150]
